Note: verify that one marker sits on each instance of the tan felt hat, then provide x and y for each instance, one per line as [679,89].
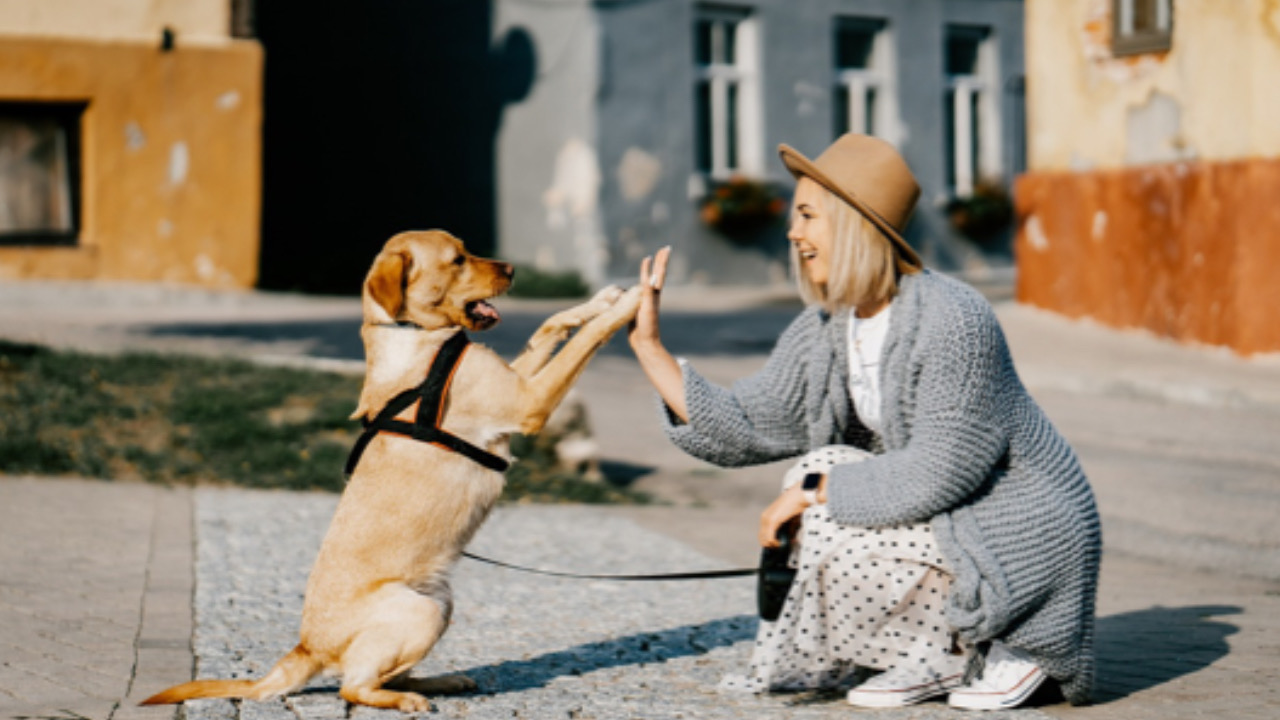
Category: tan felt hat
[870,175]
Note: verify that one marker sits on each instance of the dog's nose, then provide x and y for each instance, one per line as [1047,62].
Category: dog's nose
[508,269]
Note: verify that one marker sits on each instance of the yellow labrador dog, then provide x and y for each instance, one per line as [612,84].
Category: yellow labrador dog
[378,598]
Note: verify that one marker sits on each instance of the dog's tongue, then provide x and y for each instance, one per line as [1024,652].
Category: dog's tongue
[482,309]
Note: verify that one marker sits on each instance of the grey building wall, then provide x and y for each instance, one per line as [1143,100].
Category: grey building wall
[607,134]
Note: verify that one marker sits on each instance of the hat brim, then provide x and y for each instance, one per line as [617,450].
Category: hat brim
[801,166]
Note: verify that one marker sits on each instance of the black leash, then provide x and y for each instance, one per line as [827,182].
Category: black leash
[430,396]
[705,575]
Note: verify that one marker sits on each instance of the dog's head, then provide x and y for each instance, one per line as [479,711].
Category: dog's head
[429,279]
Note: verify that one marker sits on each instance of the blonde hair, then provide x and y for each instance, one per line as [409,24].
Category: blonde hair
[863,264]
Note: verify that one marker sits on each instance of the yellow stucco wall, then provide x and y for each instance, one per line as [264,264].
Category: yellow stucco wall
[1212,97]
[171,158]
[191,20]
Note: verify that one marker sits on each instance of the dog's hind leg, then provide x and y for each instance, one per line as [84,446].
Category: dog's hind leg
[409,626]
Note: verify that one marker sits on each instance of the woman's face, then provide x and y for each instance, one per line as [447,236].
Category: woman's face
[811,231]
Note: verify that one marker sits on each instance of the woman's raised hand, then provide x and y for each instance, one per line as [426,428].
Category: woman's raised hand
[659,366]
[653,273]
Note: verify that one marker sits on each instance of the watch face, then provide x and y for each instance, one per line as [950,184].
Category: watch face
[812,481]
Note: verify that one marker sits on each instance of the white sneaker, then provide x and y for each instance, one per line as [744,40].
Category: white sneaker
[1008,678]
[902,686]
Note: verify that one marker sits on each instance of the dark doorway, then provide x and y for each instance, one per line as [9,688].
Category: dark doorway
[380,117]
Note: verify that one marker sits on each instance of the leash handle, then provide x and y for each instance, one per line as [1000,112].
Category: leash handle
[705,575]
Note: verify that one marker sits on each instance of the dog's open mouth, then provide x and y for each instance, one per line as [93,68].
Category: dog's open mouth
[482,315]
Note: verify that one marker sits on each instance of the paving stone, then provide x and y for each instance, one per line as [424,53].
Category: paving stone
[72,601]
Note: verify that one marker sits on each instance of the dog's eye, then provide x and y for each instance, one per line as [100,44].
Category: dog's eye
[459,259]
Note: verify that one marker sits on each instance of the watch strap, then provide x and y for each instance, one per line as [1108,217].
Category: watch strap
[809,487]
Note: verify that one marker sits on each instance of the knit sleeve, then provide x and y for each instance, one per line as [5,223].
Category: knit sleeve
[956,437]
[760,419]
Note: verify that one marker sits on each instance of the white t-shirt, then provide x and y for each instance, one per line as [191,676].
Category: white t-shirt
[866,341]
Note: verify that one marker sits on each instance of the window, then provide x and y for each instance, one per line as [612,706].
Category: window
[970,113]
[1140,26]
[39,173]
[725,101]
[864,99]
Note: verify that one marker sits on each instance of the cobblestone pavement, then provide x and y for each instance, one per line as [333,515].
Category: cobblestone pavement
[538,647]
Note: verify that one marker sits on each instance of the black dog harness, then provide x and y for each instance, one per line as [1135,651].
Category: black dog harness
[430,396]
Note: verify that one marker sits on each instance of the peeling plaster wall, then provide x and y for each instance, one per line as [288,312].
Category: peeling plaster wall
[549,173]
[1152,197]
[171,159]
[1185,250]
[201,21]
[1212,97]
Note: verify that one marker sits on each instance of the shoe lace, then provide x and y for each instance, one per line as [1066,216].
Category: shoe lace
[977,663]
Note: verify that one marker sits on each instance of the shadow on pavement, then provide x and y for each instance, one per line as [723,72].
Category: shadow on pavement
[743,332]
[324,338]
[1145,648]
[623,474]
[647,647]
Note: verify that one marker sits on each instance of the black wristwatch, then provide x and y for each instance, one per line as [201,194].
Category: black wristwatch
[810,485]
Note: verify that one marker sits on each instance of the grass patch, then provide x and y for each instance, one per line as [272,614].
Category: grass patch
[183,420]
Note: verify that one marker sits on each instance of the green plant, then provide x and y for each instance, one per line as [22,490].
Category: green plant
[984,216]
[740,208]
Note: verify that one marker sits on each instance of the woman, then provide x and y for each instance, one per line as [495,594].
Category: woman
[949,537]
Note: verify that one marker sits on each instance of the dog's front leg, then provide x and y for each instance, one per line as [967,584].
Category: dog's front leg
[544,391]
[557,328]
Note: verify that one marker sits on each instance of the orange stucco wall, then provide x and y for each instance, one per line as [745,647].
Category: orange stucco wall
[171,158]
[1187,250]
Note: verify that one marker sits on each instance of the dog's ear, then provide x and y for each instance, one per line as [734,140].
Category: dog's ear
[386,281]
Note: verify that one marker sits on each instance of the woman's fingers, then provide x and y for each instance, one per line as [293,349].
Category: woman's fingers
[659,276]
[644,326]
[788,505]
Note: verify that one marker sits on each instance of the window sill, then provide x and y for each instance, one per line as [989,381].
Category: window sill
[38,239]
[1142,44]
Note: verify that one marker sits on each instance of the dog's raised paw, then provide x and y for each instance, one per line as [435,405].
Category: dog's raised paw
[629,301]
[608,295]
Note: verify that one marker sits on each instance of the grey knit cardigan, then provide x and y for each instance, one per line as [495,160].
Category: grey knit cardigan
[963,446]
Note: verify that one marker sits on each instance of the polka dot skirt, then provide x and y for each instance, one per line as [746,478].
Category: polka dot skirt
[863,597]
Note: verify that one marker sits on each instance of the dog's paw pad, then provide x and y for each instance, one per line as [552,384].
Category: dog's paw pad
[608,295]
[632,295]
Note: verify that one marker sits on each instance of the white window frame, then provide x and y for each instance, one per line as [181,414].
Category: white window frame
[983,84]
[880,75]
[743,74]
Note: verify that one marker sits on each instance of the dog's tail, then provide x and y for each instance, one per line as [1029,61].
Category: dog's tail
[290,674]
